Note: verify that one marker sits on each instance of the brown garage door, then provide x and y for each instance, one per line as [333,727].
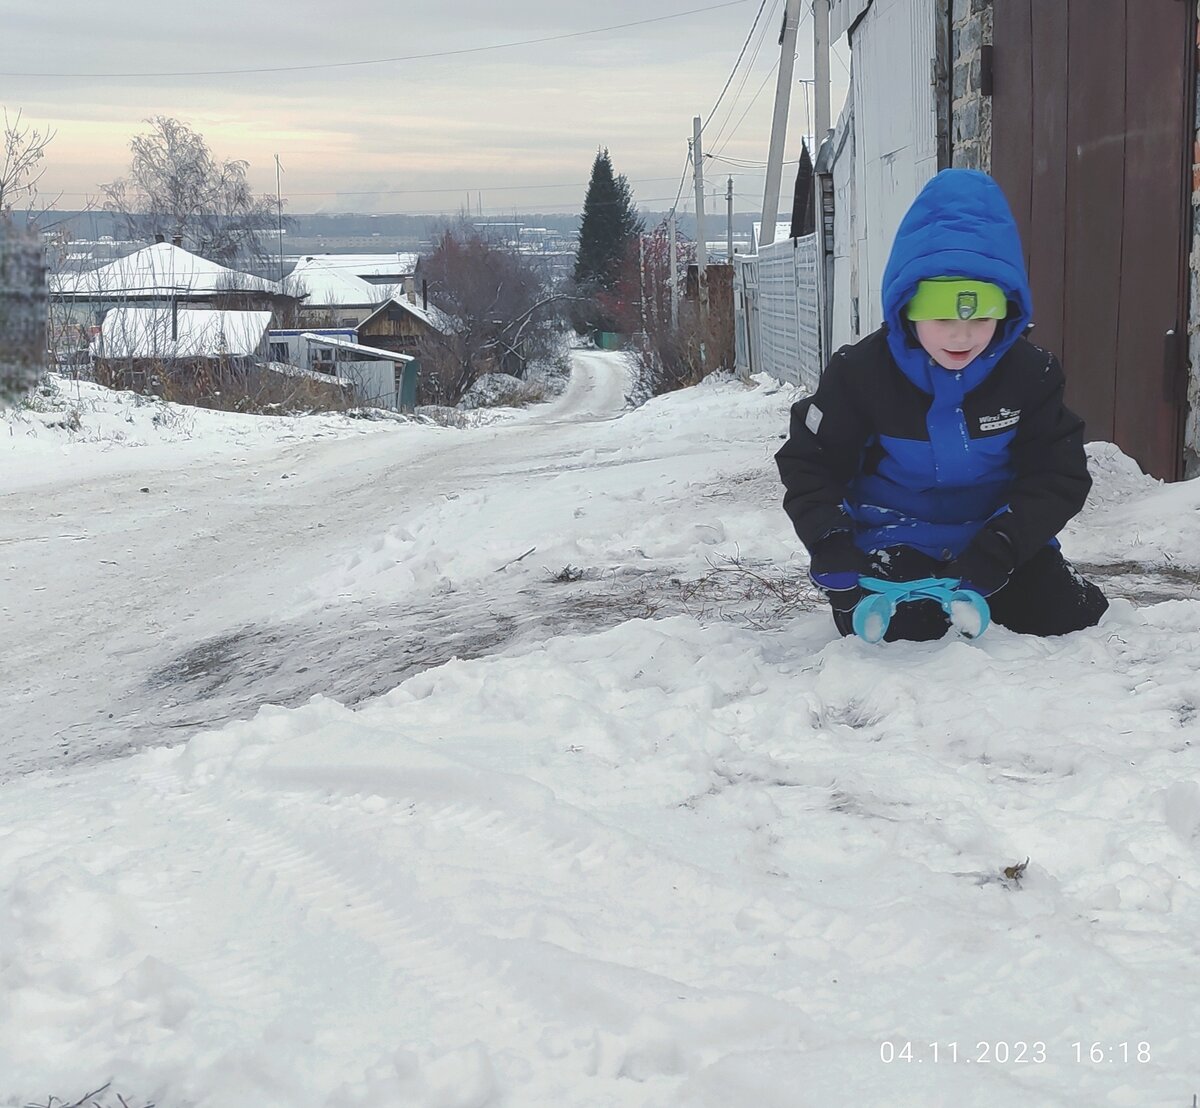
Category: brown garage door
[1092,126]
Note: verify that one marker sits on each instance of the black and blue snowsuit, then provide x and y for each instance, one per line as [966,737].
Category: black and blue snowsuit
[925,464]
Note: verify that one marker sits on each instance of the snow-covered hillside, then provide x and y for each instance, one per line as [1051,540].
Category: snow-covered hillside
[656,838]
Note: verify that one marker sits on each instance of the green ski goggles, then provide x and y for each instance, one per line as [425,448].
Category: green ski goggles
[957,298]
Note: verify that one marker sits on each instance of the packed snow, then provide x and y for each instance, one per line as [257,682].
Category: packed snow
[639,845]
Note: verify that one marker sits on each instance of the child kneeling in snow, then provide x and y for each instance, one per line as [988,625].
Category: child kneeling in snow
[939,446]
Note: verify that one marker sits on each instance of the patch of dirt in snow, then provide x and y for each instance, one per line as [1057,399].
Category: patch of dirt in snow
[1143,584]
[354,653]
[351,654]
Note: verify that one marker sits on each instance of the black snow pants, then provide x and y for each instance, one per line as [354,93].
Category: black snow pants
[1044,596]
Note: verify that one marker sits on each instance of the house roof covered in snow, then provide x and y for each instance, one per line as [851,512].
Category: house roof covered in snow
[193,333]
[434,317]
[356,347]
[397,266]
[157,270]
[324,283]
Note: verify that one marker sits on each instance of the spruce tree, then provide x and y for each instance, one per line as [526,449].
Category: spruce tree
[609,226]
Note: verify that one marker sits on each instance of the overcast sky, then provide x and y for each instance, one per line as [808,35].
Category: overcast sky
[519,125]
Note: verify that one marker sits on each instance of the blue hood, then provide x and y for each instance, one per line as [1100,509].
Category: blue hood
[959,225]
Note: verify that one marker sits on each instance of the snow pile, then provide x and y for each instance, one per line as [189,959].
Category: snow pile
[64,424]
[666,864]
[497,390]
[634,495]
[1133,518]
[672,864]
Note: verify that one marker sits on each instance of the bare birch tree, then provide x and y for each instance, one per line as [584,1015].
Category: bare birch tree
[178,189]
[21,165]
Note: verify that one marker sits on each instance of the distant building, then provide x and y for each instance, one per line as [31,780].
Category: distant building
[162,275]
[400,323]
[138,345]
[389,270]
[379,378]
[330,294]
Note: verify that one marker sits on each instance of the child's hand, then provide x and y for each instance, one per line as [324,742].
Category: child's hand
[986,564]
[836,565]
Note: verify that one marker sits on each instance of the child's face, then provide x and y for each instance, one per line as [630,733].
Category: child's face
[955,343]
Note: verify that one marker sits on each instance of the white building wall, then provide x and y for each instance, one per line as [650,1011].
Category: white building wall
[844,305]
[375,383]
[895,134]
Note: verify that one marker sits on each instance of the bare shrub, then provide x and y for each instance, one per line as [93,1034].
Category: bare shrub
[229,386]
[755,594]
[499,390]
[504,315]
[102,1097]
[677,355]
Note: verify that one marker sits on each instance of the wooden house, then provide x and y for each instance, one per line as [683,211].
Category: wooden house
[400,324]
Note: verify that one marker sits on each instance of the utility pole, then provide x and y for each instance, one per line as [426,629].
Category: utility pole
[783,95]
[821,72]
[279,212]
[674,274]
[698,167]
[729,221]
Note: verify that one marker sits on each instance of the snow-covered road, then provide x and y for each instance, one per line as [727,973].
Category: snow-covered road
[703,860]
[174,590]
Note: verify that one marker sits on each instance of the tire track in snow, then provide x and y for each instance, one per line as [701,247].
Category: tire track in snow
[451,955]
[443,980]
[294,876]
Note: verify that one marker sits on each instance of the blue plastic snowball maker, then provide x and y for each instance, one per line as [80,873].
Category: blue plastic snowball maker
[874,612]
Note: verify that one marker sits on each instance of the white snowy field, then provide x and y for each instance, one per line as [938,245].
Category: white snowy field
[715,859]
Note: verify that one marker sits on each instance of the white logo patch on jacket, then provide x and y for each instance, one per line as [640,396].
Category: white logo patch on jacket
[1005,417]
[813,419]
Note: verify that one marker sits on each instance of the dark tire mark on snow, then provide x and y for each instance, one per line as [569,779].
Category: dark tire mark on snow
[350,653]
[354,652]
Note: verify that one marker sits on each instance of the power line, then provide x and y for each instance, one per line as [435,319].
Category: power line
[389,61]
[833,50]
[753,101]
[683,177]
[729,137]
[741,54]
[455,189]
[762,35]
[741,163]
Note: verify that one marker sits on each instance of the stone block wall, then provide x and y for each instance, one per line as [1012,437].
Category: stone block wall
[22,311]
[970,110]
[1191,437]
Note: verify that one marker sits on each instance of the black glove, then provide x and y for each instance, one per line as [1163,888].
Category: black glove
[835,566]
[986,564]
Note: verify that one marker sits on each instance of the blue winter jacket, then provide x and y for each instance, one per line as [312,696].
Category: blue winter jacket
[898,450]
